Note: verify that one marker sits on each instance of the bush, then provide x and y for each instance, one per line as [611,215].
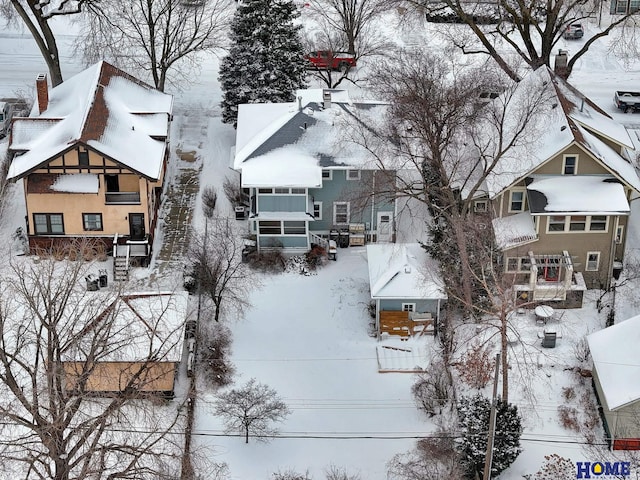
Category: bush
[432,390]
[476,367]
[271,261]
[213,353]
[556,467]
[316,257]
[569,418]
[568,393]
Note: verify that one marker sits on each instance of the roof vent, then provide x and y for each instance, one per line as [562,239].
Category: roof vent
[407,269]
[563,128]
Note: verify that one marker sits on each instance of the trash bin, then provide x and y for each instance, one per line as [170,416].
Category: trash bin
[334,235]
[250,246]
[344,238]
[240,212]
[103,277]
[92,283]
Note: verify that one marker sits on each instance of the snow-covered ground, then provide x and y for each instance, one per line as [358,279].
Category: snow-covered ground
[307,336]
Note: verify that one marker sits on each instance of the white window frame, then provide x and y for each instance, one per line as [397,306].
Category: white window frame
[282,191]
[327,175]
[619,234]
[567,224]
[319,209]
[298,191]
[511,260]
[586,266]
[335,205]
[606,224]
[564,228]
[477,208]
[263,191]
[349,177]
[408,307]
[520,261]
[564,164]
[524,199]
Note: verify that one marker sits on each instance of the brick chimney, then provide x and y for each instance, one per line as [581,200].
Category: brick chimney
[42,90]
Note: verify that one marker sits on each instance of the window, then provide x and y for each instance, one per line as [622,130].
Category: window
[295,228]
[92,221]
[512,264]
[516,203]
[353,174]
[265,190]
[593,261]
[556,223]
[598,223]
[269,227]
[577,223]
[48,223]
[340,213]
[317,210]
[83,158]
[621,6]
[619,234]
[408,307]
[298,191]
[327,174]
[281,191]
[570,165]
[480,206]
[521,264]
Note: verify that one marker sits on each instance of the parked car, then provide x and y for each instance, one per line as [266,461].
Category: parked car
[323,59]
[627,101]
[573,31]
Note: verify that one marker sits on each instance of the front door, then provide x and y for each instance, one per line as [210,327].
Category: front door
[385,227]
[136,226]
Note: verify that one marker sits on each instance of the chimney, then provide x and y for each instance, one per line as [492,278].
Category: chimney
[300,104]
[326,98]
[560,65]
[42,90]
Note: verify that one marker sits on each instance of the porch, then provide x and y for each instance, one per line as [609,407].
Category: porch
[405,324]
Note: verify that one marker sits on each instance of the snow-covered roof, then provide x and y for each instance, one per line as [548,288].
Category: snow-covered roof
[583,194]
[293,216]
[104,109]
[403,271]
[289,144]
[144,325]
[563,117]
[76,183]
[614,354]
[514,230]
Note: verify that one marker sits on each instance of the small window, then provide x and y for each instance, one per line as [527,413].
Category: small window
[317,210]
[556,223]
[298,191]
[48,224]
[340,213]
[512,264]
[265,190]
[281,191]
[92,221]
[353,174]
[327,174]
[525,264]
[480,206]
[516,204]
[598,223]
[619,234]
[269,227]
[570,165]
[593,261]
[408,307]
[83,158]
[295,228]
[577,223]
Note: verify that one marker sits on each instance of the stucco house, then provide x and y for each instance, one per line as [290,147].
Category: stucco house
[143,347]
[304,177]
[616,378]
[407,289]
[92,158]
[559,199]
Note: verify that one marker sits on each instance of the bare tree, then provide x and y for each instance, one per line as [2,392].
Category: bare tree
[36,15]
[530,29]
[432,459]
[160,37]
[251,409]
[56,342]
[215,258]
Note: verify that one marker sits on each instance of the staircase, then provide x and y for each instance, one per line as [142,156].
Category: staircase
[120,261]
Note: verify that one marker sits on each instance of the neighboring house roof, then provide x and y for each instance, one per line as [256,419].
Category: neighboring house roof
[563,118]
[614,353]
[104,109]
[144,326]
[403,271]
[289,144]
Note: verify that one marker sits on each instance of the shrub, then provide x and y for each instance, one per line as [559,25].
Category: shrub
[432,390]
[476,367]
[271,261]
[569,418]
[315,257]
[213,353]
[568,393]
[556,467]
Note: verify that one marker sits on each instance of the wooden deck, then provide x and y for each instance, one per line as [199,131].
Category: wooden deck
[405,324]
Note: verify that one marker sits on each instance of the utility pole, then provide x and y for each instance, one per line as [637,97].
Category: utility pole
[488,458]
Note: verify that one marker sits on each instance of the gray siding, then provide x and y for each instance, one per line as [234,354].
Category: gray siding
[282,203]
[285,241]
[422,305]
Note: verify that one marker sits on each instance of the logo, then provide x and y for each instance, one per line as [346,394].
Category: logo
[602,470]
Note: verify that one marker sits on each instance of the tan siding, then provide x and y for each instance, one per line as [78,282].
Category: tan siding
[115,376]
[586,164]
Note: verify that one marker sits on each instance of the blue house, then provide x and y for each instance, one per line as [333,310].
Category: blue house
[310,172]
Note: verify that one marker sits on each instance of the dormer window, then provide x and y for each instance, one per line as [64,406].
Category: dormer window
[570,165]
[516,202]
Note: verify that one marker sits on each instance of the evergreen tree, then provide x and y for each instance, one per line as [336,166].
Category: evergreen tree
[473,413]
[265,61]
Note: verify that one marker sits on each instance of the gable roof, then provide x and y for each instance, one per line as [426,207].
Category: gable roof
[564,117]
[104,109]
[288,144]
[614,354]
[403,270]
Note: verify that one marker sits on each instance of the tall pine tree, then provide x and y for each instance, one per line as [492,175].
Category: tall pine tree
[473,414]
[265,62]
